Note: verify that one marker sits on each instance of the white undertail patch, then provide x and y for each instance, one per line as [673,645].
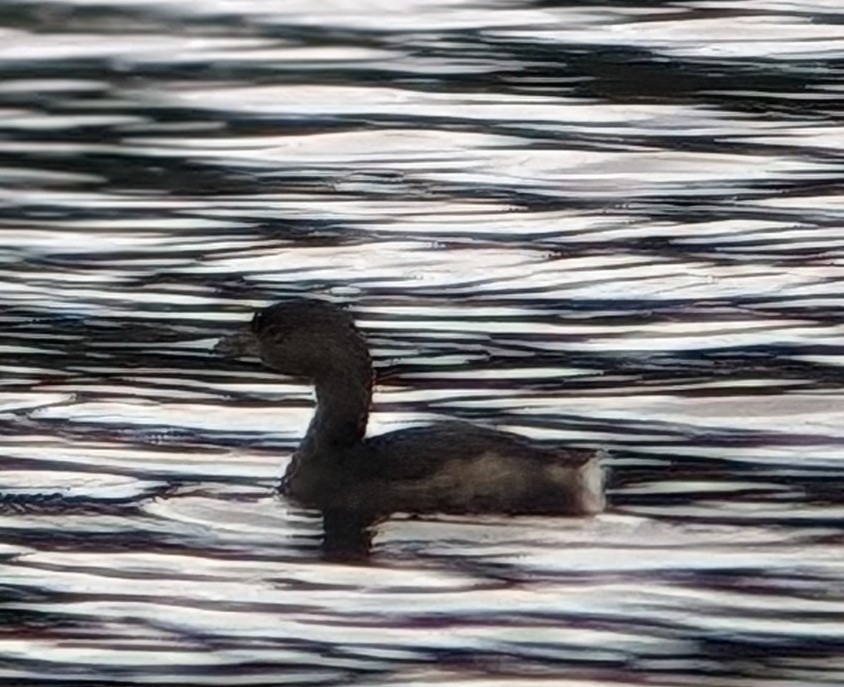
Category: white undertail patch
[593,476]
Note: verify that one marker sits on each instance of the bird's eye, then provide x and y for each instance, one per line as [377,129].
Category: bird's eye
[257,320]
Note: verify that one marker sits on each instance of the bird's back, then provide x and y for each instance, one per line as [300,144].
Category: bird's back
[455,467]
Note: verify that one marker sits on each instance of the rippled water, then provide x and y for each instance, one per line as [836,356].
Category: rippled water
[610,225]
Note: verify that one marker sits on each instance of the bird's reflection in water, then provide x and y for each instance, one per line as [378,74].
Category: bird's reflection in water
[347,535]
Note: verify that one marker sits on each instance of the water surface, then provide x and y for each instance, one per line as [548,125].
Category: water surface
[608,225]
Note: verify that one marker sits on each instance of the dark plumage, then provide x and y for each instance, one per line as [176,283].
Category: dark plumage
[449,467]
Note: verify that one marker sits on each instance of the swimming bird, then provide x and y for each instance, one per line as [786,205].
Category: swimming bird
[446,467]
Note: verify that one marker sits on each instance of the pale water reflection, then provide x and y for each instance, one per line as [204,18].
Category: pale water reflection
[613,226]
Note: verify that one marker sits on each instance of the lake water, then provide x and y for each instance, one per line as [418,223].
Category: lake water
[612,225]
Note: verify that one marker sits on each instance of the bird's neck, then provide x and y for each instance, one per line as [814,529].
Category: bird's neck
[342,410]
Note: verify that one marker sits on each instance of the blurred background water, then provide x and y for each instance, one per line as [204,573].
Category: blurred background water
[612,224]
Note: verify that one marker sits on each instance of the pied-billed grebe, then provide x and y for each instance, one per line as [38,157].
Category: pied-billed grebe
[448,467]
